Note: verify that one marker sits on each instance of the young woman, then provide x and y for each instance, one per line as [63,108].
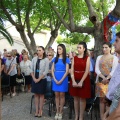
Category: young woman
[80,87]
[25,68]
[40,68]
[104,68]
[60,69]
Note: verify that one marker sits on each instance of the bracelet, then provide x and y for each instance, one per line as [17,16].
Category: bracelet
[72,75]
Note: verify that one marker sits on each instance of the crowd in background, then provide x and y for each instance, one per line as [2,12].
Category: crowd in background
[69,72]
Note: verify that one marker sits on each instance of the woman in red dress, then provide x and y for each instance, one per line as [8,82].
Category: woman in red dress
[80,87]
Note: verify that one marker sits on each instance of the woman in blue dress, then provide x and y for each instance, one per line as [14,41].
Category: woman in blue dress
[60,69]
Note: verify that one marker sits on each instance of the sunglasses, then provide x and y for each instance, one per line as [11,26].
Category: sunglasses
[8,56]
[49,55]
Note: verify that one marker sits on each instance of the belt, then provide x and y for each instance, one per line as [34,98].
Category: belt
[59,71]
[79,71]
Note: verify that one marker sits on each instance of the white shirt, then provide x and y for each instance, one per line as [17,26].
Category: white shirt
[26,67]
[114,83]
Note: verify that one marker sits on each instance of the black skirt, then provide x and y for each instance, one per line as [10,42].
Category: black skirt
[28,80]
[40,87]
[13,80]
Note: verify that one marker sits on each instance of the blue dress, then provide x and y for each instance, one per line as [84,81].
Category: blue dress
[60,69]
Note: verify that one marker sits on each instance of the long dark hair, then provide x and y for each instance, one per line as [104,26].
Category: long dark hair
[63,54]
[84,46]
[44,54]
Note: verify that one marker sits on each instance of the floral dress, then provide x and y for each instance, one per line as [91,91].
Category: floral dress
[105,67]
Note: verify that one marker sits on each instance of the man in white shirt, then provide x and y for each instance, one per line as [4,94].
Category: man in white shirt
[114,85]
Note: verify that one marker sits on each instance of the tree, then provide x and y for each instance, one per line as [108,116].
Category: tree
[94,13]
[31,16]
[5,33]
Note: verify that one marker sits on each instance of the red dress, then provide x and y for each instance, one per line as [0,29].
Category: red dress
[79,70]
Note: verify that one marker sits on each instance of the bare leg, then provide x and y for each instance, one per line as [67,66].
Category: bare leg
[29,87]
[37,103]
[41,103]
[14,89]
[82,108]
[76,107]
[102,108]
[57,100]
[62,101]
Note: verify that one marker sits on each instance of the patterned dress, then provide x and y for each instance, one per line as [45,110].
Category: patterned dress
[105,67]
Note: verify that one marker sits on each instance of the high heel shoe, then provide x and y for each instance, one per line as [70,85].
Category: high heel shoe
[36,115]
[40,114]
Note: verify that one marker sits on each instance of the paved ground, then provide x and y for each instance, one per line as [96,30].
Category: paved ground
[18,108]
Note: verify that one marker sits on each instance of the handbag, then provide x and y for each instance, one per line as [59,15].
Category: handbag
[77,81]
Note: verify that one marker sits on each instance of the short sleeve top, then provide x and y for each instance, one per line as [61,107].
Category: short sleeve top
[12,61]
[60,66]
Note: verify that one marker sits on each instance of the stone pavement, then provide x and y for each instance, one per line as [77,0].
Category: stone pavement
[18,108]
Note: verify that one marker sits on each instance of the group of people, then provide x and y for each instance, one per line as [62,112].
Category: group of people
[55,68]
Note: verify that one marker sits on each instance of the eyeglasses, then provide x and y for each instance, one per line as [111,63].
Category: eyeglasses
[49,55]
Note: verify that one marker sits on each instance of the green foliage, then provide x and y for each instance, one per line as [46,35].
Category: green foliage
[73,38]
[5,33]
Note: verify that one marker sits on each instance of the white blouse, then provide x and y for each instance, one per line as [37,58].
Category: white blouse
[26,67]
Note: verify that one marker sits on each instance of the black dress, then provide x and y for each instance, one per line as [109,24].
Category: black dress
[40,87]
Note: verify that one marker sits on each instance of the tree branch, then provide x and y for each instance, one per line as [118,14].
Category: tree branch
[80,29]
[27,17]
[61,18]
[37,26]
[30,4]
[72,25]
[18,12]
[92,15]
[116,11]
[51,26]
[7,14]
[85,37]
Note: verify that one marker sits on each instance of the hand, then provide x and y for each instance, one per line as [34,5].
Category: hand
[35,80]
[19,73]
[80,84]
[56,81]
[8,73]
[74,84]
[59,82]
[105,81]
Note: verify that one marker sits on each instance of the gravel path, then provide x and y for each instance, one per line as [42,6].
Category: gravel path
[18,108]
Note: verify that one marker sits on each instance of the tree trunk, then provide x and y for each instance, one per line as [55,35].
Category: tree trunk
[54,34]
[27,44]
[99,40]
